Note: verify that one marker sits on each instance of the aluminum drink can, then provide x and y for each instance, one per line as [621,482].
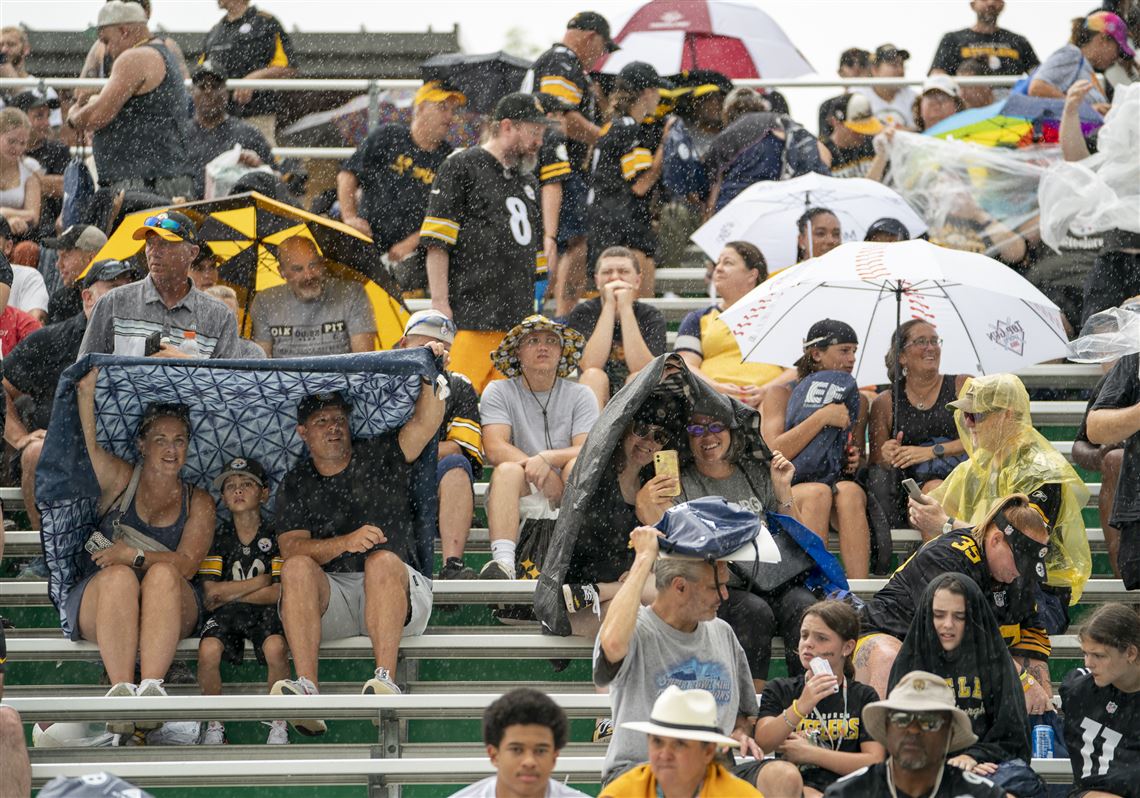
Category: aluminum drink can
[820,665]
[1042,741]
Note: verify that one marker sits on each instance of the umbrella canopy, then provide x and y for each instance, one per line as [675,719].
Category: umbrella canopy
[990,318]
[736,39]
[765,214]
[1016,121]
[244,231]
[484,79]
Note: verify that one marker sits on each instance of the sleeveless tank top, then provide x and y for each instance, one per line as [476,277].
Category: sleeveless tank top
[147,139]
[922,426]
[169,536]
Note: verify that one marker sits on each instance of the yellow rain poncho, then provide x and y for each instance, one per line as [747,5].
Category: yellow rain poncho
[1007,455]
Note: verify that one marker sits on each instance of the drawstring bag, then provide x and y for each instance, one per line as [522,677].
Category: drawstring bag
[78,191]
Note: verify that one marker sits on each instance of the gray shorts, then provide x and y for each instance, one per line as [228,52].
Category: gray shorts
[345,614]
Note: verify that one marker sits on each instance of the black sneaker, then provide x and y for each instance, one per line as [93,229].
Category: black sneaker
[495,570]
[580,596]
[455,568]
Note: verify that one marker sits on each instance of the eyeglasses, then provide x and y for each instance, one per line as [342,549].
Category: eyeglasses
[923,343]
[166,223]
[643,429]
[700,430]
[927,721]
[976,418]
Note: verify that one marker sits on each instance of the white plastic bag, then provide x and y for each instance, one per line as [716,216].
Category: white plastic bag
[225,170]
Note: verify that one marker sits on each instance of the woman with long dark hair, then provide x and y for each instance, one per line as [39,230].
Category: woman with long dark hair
[817,232]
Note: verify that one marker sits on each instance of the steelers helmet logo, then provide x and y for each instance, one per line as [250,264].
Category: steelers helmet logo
[238,462]
[265,545]
[1041,570]
[920,684]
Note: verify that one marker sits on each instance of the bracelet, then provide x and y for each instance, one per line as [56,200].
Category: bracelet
[785,505]
[796,709]
[789,724]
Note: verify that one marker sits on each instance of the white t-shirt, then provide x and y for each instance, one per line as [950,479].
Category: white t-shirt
[486,789]
[28,289]
[898,110]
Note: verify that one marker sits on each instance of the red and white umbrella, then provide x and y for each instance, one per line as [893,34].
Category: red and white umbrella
[736,39]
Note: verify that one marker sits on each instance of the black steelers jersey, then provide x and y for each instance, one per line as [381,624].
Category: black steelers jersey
[489,220]
[553,158]
[1102,732]
[559,73]
[230,560]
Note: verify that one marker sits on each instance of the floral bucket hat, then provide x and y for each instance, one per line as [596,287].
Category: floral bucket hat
[506,357]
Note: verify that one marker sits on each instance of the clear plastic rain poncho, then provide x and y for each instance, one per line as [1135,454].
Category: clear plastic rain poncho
[1108,335]
[1007,455]
[948,182]
[1102,192]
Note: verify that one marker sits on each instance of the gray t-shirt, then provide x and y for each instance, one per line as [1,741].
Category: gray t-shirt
[734,487]
[124,318]
[1064,68]
[297,328]
[709,658]
[571,409]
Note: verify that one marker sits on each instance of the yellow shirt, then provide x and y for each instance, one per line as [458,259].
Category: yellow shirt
[718,783]
[704,334]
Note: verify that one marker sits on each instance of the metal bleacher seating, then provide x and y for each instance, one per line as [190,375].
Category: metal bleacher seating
[429,735]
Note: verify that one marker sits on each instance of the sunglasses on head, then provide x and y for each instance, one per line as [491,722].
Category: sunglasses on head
[927,721]
[644,429]
[700,430]
[166,223]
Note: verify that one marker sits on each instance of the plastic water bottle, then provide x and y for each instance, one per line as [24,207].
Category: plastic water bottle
[189,345]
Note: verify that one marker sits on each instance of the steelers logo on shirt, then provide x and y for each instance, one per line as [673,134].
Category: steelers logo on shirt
[265,544]
[529,192]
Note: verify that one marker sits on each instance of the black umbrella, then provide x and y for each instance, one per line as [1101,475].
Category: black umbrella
[484,79]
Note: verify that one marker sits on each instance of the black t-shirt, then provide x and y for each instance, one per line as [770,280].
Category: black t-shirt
[1101,725]
[601,552]
[461,422]
[891,609]
[53,156]
[624,151]
[650,320]
[872,780]
[488,219]
[553,158]
[36,363]
[373,489]
[1122,389]
[230,560]
[64,303]
[206,144]
[559,73]
[253,41]
[395,176]
[1004,52]
[853,162]
[837,720]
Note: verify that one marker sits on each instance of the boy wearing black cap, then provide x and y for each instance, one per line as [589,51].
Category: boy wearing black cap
[240,580]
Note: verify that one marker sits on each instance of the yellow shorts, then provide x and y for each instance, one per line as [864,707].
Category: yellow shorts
[471,356]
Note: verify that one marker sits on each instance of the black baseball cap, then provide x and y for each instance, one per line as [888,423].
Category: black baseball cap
[593,21]
[888,52]
[207,71]
[1028,554]
[890,226]
[33,98]
[107,269]
[639,76]
[319,401]
[829,332]
[243,466]
[519,107]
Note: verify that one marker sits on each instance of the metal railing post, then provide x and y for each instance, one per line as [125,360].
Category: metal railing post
[373,105]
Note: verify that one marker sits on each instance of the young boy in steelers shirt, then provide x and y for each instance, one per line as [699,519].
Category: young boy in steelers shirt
[240,585]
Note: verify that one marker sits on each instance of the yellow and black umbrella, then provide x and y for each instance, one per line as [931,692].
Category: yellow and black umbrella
[244,232]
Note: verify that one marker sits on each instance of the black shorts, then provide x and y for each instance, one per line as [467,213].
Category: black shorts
[237,622]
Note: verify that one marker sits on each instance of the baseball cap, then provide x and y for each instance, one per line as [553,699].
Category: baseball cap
[519,107]
[33,98]
[431,323]
[593,21]
[106,269]
[943,83]
[244,466]
[854,111]
[79,236]
[828,332]
[319,401]
[552,104]
[436,92]
[1108,23]
[170,226]
[639,76]
[890,226]
[207,70]
[116,12]
[888,52]
[1028,554]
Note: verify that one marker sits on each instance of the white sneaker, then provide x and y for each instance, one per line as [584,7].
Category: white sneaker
[310,727]
[176,732]
[215,734]
[122,727]
[278,733]
[150,688]
[381,684]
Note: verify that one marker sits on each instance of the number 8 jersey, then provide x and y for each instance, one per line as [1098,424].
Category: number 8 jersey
[1102,732]
[488,218]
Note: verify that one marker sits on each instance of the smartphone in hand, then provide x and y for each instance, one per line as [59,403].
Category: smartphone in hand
[665,462]
[912,489]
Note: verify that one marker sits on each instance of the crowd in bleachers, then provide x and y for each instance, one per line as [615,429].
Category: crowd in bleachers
[540,248]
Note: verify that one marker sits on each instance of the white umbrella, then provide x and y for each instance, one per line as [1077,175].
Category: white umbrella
[765,214]
[990,318]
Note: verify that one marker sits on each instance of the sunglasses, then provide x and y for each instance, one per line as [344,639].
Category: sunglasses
[975,418]
[927,721]
[700,430]
[166,223]
[643,429]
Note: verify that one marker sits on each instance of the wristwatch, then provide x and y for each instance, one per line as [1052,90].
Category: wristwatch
[938,449]
[948,527]
[140,558]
